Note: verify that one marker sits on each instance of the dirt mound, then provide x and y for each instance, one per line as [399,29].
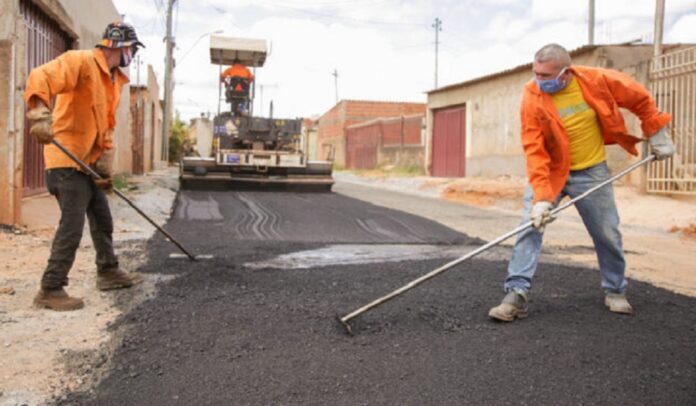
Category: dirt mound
[486,192]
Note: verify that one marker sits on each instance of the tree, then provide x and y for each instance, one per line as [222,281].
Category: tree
[179,144]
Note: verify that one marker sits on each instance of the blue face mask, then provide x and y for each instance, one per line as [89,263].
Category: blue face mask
[552,85]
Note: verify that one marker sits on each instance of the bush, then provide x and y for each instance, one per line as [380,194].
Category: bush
[179,144]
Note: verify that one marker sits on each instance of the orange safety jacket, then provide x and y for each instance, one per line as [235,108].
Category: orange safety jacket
[547,144]
[237,70]
[84,114]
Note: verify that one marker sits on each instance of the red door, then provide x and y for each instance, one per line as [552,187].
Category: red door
[449,143]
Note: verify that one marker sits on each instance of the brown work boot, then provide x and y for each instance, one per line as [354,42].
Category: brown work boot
[514,305]
[116,279]
[617,303]
[57,299]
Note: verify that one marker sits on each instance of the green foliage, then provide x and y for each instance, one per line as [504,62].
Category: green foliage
[179,144]
[120,182]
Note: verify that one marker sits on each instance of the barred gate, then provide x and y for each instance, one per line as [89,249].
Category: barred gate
[673,84]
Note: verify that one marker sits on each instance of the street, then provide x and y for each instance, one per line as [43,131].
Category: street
[255,324]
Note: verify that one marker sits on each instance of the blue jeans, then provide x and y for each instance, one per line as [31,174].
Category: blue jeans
[598,212]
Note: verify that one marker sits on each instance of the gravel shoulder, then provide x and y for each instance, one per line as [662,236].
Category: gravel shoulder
[45,354]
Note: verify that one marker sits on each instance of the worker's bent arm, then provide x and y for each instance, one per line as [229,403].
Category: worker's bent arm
[538,158]
[50,79]
[631,95]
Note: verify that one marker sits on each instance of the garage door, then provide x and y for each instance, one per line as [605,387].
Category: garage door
[448,158]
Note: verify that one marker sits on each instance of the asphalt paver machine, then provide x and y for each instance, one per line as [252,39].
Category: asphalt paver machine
[250,152]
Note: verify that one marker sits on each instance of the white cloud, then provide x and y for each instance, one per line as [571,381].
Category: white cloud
[382,49]
[683,30]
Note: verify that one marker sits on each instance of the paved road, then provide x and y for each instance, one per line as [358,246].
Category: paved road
[228,331]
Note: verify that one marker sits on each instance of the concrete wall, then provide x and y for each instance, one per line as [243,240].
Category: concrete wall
[493,145]
[12,78]
[405,156]
[201,136]
[150,121]
[84,21]
[153,120]
[310,139]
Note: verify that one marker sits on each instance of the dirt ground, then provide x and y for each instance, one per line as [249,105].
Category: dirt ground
[44,354]
[37,346]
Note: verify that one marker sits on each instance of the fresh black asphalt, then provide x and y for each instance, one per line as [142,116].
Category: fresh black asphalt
[221,333]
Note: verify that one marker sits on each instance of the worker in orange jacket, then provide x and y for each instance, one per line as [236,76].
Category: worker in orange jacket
[86,86]
[237,92]
[569,113]
[237,70]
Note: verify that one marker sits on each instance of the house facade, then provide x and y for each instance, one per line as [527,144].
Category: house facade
[33,32]
[473,127]
[145,116]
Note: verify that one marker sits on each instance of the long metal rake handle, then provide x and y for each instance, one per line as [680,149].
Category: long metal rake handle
[345,319]
[122,196]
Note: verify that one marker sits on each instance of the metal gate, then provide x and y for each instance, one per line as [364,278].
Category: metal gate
[45,41]
[362,142]
[673,84]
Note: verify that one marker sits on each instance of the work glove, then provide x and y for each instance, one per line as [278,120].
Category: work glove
[106,184]
[103,167]
[661,145]
[541,215]
[41,122]
[105,163]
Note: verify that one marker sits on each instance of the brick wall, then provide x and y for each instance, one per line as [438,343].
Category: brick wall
[332,125]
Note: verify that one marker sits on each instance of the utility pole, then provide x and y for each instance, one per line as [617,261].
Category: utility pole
[659,24]
[438,27]
[168,82]
[335,75]
[591,24]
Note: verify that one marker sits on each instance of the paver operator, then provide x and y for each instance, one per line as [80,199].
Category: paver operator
[86,86]
[237,79]
[568,114]
[237,70]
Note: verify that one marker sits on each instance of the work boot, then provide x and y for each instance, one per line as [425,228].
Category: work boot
[617,303]
[57,299]
[514,305]
[116,279]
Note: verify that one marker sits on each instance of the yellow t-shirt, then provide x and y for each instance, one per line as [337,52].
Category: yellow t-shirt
[580,121]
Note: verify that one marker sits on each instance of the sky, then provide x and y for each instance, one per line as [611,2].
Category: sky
[381,49]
